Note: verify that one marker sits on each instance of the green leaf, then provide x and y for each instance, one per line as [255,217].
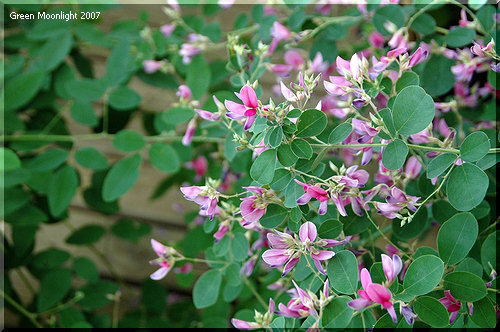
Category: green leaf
[262,169]
[286,156]
[239,247]
[47,161]
[311,122]
[394,155]
[412,229]
[354,224]
[292,192]
[388,121]
[439,164]
[86,235]
[124,98]
[44,29]
[198,76]
[275,215]
[8,160]
[407,79]
[164,158]
[53,52]
[233,274]
[337,314]
[470,265]
[465,286]
[466,187]
[222,247]
[49,259]
[413,110]
[442,211]
[340,133]
[62,188]
[119,64]
[206,289]
[474,147]
[121,178]
[86,90]
[302,149]
[424,24]
[281,179]
[96,295]
[484,314]
[489,253]
[83,113]
[275,137]
[437,78]
[485,15]
[423,275]
[392,13]
[177,115]
[459,36]
[343,272]
[53,288]
[330,229]
[22,88]
[456,237]
[86,269]
[91,158]
[128,141]
[431,311]
[131,230]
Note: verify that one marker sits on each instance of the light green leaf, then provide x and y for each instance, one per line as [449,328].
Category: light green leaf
[121,178]
[124,98]
[423,275]
[407,79]
[263,167]
[302,149]
[340,133]
[484,314]
[91,158]
[311,122]
[22,88]
[8,160]
[164,158]
[198,76]
[83,113]
[475,146]
[465,286]
[128,141]
[459,36]
[206,289]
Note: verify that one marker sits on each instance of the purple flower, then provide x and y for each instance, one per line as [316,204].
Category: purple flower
[451,304]
[301,305]
[376,40]
[278,33]
[206,115]
[337,86]
[396,201]
[413,167]
[188,136]
[248,109]
[252,209]
[417,57]
[408,314]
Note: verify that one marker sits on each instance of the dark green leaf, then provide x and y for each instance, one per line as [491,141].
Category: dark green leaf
[460,36]
[413,110]
[337,313]
[431,311]
[206,289]
[86,235]
[53,288]
[465,286]
[164,158]
[22,88]
[311,122]
[343,272]
[439,164]
[86,269]
[302,149]
[340,133]
[330,229]
[121,178]
[423,275]
[198,76]
[275,215]
[62,188]
[83,113]
[437,78]
[91,158]
[286,156]
[394,155]
[124,98]
[466,187]
[262,169]
[474,147]
[456,237]
[128,140]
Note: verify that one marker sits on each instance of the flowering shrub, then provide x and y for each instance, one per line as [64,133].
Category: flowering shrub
[356,190]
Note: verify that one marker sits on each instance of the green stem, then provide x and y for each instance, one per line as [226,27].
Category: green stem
[20,308]
[420,12]
[254,291]
[100,136]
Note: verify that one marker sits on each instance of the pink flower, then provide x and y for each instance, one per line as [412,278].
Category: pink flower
[463,19]
[397,40]
[278,33]
[391,250]
[391,267]
[281,70]
[251,209]
[482,50]
[452,304]
[202,196]
[167,29]
[200,166]
[287,93]
[417,57]
[314,192]
[413,167]
[223,228]
[294,59]
[248,109]
[206,115]
[376,40]
[184,92]
[151,66]
[373,293]
[318,65]
[337,85]
[301,305]
[188,51]
[421,137]
[163,253]
[351,68]
[184,269]
[188,136]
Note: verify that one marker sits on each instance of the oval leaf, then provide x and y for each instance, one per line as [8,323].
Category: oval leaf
[86,235]
[413,110]
[128,141]
[439,164]
[431,311]
[275,215]
[263,167]
[311,123]
[62,188]
[302,149]
[423,275]
[206,289]
[343,272]
[394,155]
[475,146]
[340,133]
[466,187]
[465,286]
[53,288]
[456,237]
[164,158]
[121,178]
